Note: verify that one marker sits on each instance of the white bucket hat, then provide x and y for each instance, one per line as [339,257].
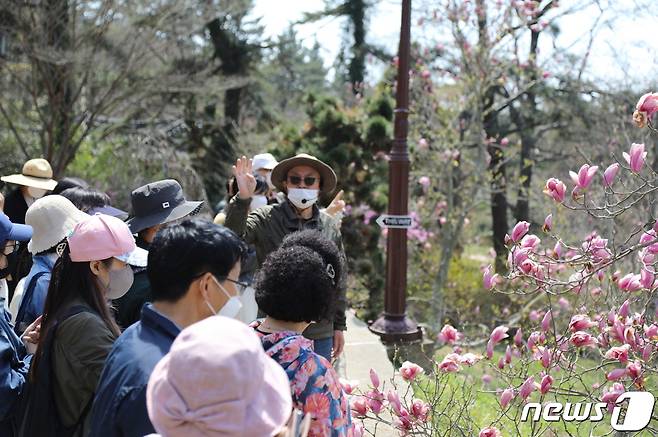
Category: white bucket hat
[263,161]
[36,173]
[52,219]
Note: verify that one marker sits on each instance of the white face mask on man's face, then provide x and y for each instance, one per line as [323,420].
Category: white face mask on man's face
[232,306]
[303,198]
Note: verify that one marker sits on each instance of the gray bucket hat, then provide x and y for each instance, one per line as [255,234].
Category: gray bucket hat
[159,202]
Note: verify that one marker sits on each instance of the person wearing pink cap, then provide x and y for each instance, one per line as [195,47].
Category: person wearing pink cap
[234,388]
[77,328]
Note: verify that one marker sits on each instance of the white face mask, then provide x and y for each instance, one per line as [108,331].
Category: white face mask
[231,308]
[257,202]
[303,198]
[268,178]
[36,193]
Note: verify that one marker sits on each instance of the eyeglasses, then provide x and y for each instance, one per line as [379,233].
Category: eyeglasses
[297,180]
[10,248]
[240,286]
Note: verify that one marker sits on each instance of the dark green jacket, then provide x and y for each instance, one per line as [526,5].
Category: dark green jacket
[266,227]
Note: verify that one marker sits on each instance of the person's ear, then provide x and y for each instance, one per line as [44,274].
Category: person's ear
[95,267]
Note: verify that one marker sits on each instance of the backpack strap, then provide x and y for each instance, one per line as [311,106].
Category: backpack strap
[28,293]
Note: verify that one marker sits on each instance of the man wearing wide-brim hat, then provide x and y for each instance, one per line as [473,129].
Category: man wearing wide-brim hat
[303,178]
[153,205]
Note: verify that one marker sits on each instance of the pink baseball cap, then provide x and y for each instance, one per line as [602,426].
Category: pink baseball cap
[218,380]
[101,237]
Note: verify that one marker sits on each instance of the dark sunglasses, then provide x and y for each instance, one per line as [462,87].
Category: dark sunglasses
[297,180]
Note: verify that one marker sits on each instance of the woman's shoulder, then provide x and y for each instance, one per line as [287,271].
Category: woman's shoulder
[84,324]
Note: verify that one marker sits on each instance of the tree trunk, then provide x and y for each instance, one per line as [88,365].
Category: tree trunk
[58,84]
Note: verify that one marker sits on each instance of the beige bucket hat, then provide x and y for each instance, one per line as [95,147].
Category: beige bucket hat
[36,173]
[327,175]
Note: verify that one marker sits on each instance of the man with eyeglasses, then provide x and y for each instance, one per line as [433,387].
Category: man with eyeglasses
[193,269]
[303,179]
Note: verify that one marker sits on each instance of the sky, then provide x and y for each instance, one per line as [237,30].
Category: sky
[621,52]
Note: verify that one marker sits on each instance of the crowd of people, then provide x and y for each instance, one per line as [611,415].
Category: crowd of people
[159,322]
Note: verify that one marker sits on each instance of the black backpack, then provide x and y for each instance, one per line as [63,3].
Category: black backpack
[38,415]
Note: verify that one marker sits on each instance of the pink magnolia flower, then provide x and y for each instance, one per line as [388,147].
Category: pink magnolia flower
[423,144]
[489,280]
[490,349]
[648,104]
[580,322]
[582,339]
[651,332]
[420,410]
[636,157]
[647,278]
[374,378]
[616,374]
[630,282]
[556,189]
[619,353]
[504,141]
[394,401]
[610,397]
[508,355]
[564,303]
[498,334]
[375,401]
[531,242]
[409,371]
[546,357]
[506,397]
[584,177]
[518,338]
[634,370]
[448,334]
[469,359]
[610,174]
[359,430]
[359,406]
[647,351]
[546,321]
[490,431]
[448,365]
[548,223]
[348,385]
[527,388]
[546,383]
[624,310]
[486,378]
[424,181]
[519,230]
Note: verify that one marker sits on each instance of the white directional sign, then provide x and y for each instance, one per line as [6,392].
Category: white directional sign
[395,221]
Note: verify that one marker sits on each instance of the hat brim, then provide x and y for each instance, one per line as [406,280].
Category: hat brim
[272,407]
[109,210]
[327,175]
[20,232]
[30,181]
[137,224]
[137,258]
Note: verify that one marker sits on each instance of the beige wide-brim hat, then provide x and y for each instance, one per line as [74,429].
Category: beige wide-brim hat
[327,175]
[36,173]
[52,219]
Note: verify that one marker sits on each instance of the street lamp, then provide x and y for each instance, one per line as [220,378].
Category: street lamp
[394,325]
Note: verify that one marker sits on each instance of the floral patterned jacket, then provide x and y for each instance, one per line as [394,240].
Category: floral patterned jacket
[313,382]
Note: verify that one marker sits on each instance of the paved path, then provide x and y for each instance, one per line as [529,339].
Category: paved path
[363,351]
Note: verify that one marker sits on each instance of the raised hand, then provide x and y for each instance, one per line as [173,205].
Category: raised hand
[337,205]
[244,177]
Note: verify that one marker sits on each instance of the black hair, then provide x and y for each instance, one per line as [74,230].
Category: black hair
[69,182]
[86,199]
[294,284]
[182,252]
[70,281]
[327,249]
